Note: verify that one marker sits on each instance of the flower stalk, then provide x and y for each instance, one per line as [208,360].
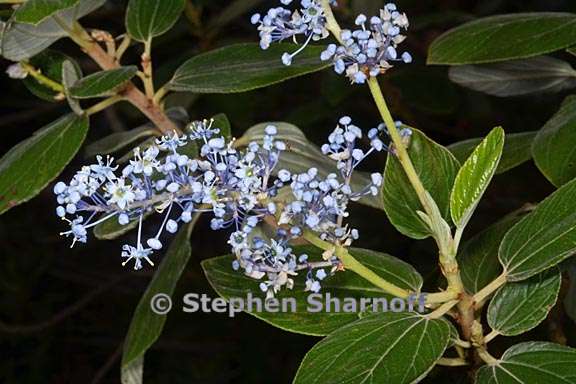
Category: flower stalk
[350,262]
[400,148]
[455,295]
[434,219]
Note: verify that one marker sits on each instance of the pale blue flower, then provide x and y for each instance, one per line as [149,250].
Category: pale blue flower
[237,187]
[278,24]
[372,49]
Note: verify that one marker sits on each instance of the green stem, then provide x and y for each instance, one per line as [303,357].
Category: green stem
[331,22]
[443,309]
[123,47]
[400,148]
[103,104]
[402,153]
[451,362]
[354,265]
[440,229]
[463,344]
[80,37]
[490,288]
[53,85]
[443,238]
[486,357]
[159,95]
[458,237]
[491,336]
[441,297]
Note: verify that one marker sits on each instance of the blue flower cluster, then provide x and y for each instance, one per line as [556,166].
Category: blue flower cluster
[280,23]
[239,188]
[369,51]
[365,52]
[321,204]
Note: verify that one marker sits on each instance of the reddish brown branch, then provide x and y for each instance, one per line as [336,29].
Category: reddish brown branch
[130,92]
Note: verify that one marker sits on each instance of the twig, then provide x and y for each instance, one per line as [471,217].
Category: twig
[130,92]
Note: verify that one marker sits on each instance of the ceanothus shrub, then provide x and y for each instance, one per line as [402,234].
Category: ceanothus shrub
[286,216]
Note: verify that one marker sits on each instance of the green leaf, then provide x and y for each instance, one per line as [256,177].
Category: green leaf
[70,75]
[517,150]
[474,177]
[243,67]
[223,124]
[504,37]
[29,166]
[553,147]
[133,373]
[384,348]
[146,19]
[36,11]
[146,326]
[531,363]
[229,283]
[118,140]
[518,307]
[516,77]
[437,169]
[22,41]
[303,154]
[49,63]
[543,238]
[103,83]
[478,257]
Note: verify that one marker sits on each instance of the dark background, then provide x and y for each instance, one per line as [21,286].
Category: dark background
[64,312]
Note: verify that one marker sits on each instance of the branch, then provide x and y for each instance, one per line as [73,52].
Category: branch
[130,92]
